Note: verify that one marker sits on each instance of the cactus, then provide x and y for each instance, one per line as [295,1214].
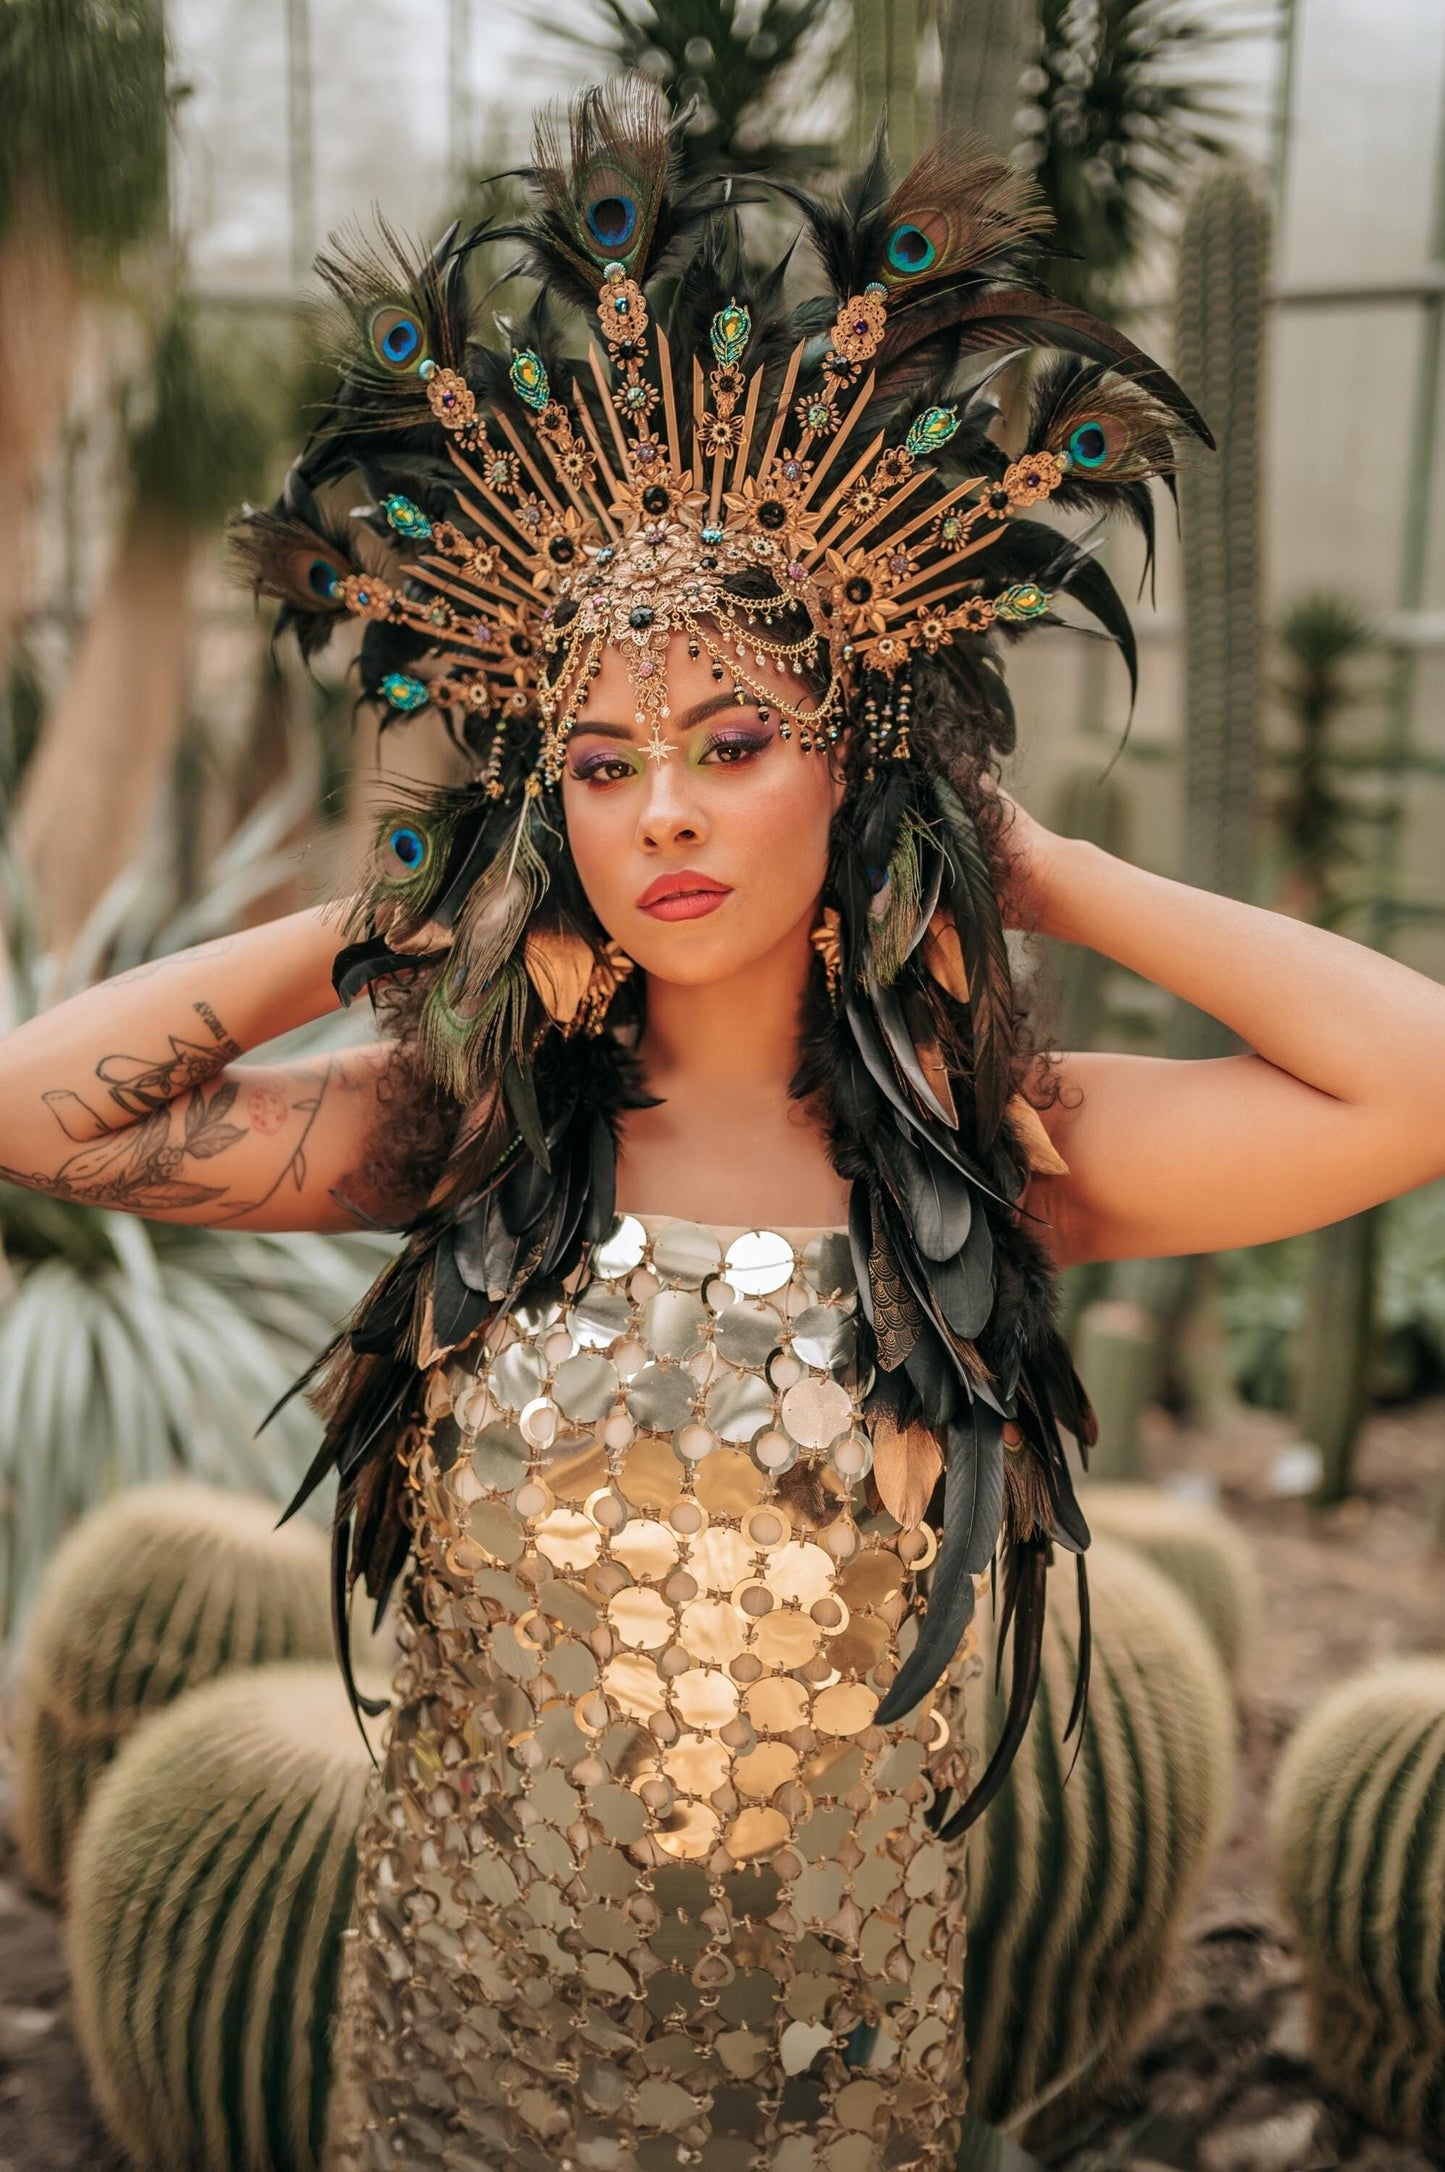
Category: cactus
[1079,1885]
[150,1594]
[1115,1349]
[1336,1347]
[1223,259]
[886,39]
[1357,1842]
[984,51]
[1199,1550]
[212,1878]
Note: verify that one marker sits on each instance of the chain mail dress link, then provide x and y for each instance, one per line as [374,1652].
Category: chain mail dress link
[641,1885]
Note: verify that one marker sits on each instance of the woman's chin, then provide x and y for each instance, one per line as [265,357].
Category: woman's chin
[691,953]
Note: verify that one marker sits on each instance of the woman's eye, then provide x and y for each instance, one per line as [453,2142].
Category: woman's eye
[730,752]
[605,772]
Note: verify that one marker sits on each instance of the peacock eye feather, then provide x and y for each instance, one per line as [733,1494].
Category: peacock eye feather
[408,846]
[398,339]
[1089,445]
[612,222]
[910,251]
[323,579]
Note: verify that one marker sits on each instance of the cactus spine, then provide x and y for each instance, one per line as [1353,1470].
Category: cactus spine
[1357,1838]
[1079,1888]
[212,1881]
[1197,1549]
[150,1594]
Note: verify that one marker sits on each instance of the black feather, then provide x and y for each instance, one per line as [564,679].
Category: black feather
[972,1512]
[1027,1571]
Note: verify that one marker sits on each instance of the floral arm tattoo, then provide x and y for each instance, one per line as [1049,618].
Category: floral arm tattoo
[143,1143]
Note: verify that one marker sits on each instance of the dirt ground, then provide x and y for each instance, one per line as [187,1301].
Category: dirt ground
[1220,2084]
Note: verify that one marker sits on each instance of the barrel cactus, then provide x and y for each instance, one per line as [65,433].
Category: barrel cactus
[1200,1552]
[150,1594]
[212,1881]
[1080,1879]
[1357,1840]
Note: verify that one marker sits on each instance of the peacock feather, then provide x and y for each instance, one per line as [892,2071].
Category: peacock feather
[300,564]
[406,316]
[605,188]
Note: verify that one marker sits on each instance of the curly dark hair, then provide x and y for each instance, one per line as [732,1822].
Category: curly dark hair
[962,728]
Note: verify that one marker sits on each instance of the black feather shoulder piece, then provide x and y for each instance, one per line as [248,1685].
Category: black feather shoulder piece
[973,1386]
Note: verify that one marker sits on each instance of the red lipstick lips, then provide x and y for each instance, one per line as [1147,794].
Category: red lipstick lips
[683,896]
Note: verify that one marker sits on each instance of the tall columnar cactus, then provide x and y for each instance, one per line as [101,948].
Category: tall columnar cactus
[1079,1881]
[1223,262]
[212,1880]
[887,35]
[1200,1552]
[1357,1838]
[985,49]
[150,1594]
[1336,1346]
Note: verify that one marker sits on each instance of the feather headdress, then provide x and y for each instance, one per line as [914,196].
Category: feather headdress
[813,493]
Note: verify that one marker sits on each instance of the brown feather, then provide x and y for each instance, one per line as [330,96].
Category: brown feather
[943,955]
[1042,1155]
[907,1465]
[559,966]
[935,1070]
[619,143]
[1132,423]
[975,208]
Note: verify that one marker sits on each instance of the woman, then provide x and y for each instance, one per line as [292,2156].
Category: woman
[718,1363]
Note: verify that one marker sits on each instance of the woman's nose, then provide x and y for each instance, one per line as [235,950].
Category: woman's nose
[670,816]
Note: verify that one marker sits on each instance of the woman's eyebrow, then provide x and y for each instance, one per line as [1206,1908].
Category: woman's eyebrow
[601,730]
[697,714]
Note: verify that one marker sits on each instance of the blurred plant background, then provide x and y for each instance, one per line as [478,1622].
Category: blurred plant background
[1258,190]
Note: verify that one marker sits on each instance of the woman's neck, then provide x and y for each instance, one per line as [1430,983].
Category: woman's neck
[727,1142]
[740,1033]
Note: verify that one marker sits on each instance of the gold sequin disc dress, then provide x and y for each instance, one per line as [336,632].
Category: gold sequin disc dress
[641,1885]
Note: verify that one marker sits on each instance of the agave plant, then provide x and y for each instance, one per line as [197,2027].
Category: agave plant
[725,60]
[1115,116]
[128,1351]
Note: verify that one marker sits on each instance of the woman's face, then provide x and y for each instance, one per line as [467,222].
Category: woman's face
[701,859]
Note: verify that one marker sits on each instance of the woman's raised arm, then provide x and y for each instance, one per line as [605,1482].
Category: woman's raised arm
[1340,1104]
[128,1095]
